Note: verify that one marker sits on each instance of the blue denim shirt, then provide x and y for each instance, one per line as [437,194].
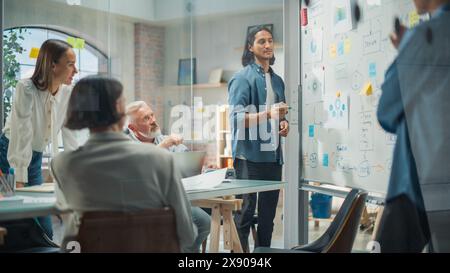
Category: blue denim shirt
[247,90]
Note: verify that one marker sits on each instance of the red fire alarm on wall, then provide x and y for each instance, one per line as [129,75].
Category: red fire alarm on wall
[304,17]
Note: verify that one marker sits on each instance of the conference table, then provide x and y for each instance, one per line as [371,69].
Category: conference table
[220,199]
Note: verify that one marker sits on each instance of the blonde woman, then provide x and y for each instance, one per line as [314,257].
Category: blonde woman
[37,115]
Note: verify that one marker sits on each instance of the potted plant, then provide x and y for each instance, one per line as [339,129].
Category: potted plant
[12,46]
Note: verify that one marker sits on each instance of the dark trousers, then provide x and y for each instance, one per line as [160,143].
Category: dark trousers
[34,177]
[266,201]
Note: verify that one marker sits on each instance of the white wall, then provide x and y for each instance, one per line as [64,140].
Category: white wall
[217,43]
[176,9]
[139,9]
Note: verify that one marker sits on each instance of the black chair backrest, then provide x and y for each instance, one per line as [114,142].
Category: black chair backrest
[150,230]
[323,242]
[345,232]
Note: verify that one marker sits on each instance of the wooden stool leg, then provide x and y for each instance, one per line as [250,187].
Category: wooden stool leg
[204,246]
[236,242]
[377,221]
[227,218]
[316,223]
[3,233]
[255,235]
[215,229]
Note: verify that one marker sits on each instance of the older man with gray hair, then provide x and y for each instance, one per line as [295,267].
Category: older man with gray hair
[142,127]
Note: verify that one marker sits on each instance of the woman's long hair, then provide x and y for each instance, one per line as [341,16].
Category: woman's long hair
[248,57]
[50,53]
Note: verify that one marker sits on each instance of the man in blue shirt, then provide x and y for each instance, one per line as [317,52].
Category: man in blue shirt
[414,106]
[257,116]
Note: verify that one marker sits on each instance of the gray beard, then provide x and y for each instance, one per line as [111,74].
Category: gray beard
[153,134]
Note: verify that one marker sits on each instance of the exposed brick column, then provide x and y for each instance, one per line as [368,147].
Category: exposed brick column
[149,66]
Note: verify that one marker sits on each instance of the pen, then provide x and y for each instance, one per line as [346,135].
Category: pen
[397,26]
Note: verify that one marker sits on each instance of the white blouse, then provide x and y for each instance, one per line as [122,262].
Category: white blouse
[35,120]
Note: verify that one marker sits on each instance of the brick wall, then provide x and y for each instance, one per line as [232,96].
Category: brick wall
[149,66]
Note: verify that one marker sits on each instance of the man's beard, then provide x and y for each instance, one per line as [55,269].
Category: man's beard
[152,132]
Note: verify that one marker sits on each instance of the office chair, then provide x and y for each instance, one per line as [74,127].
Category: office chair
[150,230]
[340,235]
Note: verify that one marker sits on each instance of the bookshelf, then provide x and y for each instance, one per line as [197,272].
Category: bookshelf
[223,154]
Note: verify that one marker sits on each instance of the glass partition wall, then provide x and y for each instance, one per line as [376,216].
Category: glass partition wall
[176,55]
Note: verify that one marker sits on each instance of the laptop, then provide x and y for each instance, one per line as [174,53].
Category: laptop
[189,163]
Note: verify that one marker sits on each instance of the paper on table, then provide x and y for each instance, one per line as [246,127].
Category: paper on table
[11,200]
[46,187]
[37,200]
[203,181]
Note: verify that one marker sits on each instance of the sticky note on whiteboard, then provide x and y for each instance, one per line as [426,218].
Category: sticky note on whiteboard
[413,19]
[347,46]
[367,90]
[325,160]
[333,50]
[311,130]
[34,53]
[373,70]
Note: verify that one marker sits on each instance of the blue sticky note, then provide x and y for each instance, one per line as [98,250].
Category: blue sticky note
[311,130]
[372,70]
[325,160]
[341,48]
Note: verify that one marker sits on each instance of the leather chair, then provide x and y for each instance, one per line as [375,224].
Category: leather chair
[150,230]
[340,235]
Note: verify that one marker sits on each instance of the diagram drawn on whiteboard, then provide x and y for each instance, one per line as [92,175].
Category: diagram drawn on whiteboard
[337,108]
[342,16]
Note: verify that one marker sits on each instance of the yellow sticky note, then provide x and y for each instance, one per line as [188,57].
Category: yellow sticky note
[347,46]
[34,53]
[79,43]
[71,41]
[338,94]
[333,50]
[367,90]
[413,19]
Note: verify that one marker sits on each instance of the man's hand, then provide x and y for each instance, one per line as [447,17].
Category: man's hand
[20,184]
[284,128]
[397,36]
[278,111]
[171,141]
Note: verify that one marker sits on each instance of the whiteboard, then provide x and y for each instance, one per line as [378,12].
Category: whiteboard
[342,141]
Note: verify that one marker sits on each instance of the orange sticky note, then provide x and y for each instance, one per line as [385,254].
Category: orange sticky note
[333,50]
[34,53]
[367,90]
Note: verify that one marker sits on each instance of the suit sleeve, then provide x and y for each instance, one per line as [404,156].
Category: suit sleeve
[178,201]
[390,108]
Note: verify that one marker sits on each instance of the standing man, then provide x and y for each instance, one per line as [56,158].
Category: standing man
[143,128]
[414,106]
[256,98]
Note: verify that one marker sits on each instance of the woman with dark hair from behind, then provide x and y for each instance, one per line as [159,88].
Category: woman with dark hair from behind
[37,116]
[111,172]
[257,100]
